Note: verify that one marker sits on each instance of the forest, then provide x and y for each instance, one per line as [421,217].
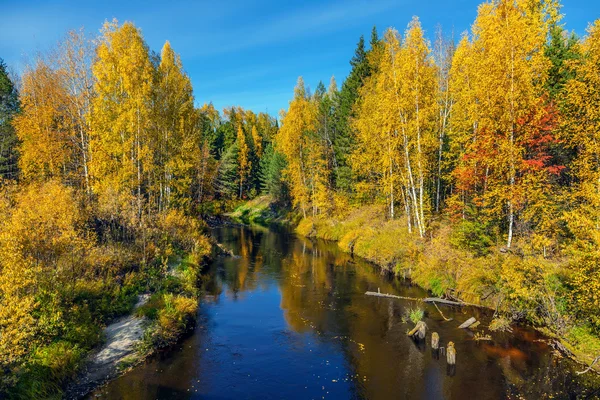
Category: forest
[470,165]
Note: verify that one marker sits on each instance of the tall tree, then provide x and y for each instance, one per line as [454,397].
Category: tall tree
[43,127]
[244,162]
[396,125]
[505,68]
[443,53]
[9,107]
[176,130]
[299,141]
[120,140]
[582,134]
[344,138]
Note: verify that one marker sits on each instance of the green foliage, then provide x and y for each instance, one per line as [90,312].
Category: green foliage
[9,107]
[436,286]
[347,97]
[560,50]
[272,165]
[263,210]
[415,314]
[48,369]
[472,236]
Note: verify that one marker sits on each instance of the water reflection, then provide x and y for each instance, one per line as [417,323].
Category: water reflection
[288,318]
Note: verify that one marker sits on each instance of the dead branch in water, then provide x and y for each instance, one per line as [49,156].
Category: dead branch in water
[588,368]
[440,311]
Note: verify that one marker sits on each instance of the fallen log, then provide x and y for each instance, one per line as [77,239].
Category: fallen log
[442,301]
[467,323]
[425,299]
[392,296]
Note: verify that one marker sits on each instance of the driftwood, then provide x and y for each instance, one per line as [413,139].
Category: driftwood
[588,368]
[442,301]
[419,331]
[440,311]
[434,300]
[424,300]
[467,323]
[392,296]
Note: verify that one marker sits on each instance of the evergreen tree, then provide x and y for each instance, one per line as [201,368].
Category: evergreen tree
[345,136]
[272,165]
[560,49]
[9,107]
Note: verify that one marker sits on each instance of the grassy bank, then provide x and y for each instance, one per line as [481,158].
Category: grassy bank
[463,261]
[89,289]
[260,211]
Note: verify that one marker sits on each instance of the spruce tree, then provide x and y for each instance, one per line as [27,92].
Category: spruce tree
[9,107]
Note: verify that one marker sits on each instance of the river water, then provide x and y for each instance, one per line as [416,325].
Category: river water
[288,318]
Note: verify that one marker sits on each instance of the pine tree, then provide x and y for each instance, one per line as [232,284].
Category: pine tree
[244,162]
[344,138]
[9,107]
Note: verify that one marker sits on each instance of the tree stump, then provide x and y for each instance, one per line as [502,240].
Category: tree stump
[451,354]
[419,331]
[435,341]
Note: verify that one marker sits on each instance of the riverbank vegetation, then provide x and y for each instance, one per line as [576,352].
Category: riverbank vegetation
[470,166]
[104,163]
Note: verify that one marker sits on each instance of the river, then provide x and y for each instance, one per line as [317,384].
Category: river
[288,318]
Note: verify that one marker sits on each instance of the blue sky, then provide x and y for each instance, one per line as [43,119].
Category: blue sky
[246,53]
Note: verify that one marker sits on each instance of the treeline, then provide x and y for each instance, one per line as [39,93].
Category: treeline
[106,165]
[486,148]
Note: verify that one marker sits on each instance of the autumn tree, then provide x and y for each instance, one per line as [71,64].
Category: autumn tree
[500,119]
[120,142]
[44,132]
[581,134]
[396,125]
[443,52]
[299,141]
[177,135]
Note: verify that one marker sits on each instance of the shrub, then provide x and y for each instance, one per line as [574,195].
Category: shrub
[414,314]
[472,236]
[178,313]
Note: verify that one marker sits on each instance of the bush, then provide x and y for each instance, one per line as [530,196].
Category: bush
[472,236]
[177,315]
[414,314]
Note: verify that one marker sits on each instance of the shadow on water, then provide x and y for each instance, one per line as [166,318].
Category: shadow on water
[288,318]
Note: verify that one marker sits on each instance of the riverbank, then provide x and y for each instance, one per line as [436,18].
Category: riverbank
[310,317]
[157,321]
[461,262]
[260,211]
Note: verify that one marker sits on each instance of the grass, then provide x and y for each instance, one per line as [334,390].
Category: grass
[582,342]
[416,314]
[259,211]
